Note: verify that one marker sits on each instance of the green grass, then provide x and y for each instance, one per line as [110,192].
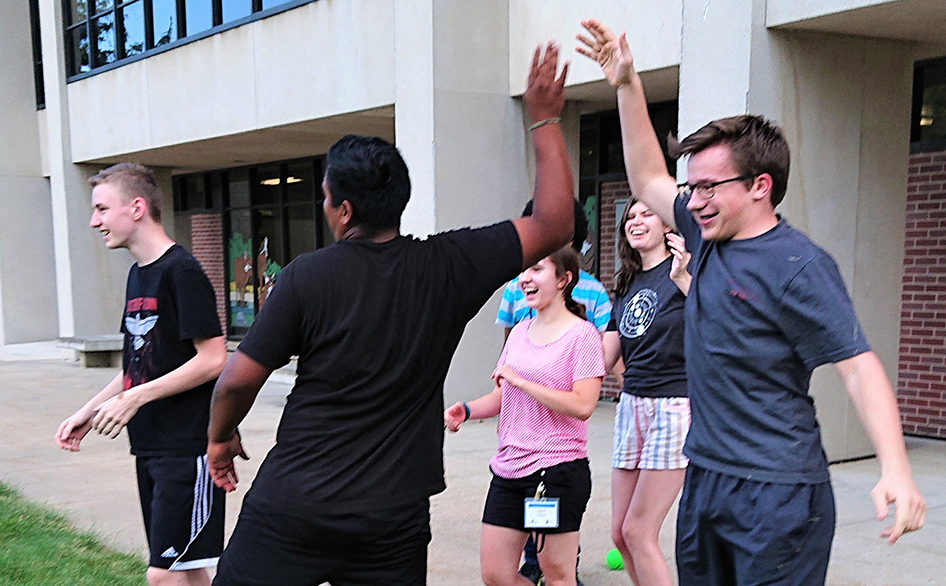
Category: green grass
[38,547]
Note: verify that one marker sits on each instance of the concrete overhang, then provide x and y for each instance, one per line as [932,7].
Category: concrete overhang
[922,21]
[278,143]
[660,85]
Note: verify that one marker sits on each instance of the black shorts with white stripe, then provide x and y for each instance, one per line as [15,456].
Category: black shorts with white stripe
[183,512]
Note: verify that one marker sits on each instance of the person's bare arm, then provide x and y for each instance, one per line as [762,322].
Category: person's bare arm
[647,173]
[551,225]
[234,394]
[579,402]
[612,350]
[482,408]
[870,391]
[205,366]
[72,430]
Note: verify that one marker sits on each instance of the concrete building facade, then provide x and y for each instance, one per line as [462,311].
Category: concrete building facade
[235,102]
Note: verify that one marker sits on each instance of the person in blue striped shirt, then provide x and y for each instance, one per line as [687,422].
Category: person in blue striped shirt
[513,309]
[589,292]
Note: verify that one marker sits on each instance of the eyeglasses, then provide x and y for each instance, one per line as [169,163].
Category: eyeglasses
[708,190]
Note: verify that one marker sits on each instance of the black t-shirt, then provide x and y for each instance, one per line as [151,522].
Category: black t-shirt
[168,303]
[762,313]
[375,326]
[649,320]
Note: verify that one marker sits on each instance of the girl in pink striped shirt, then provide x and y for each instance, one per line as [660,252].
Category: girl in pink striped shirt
[547,383]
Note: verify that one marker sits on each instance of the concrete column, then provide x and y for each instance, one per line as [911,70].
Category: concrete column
[89,279]
[844,104]
[27,281]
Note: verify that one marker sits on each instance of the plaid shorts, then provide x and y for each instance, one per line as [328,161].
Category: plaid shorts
[649,433]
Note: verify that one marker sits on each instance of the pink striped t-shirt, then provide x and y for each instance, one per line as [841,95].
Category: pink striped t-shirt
[532,436]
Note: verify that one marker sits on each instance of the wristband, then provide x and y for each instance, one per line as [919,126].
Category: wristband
[466,409]
[542,123]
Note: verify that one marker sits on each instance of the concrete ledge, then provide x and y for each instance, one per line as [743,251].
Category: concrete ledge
[103,351]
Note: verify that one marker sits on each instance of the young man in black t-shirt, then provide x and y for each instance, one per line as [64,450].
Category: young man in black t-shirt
[172,354]
[766,306]
[343,497]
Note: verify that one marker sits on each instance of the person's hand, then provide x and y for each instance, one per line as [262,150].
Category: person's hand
[910,509]
[453,416]
[113,415]
[220,456]
[506,372]
[681,258]
[545,94]
[72,430]
[611,53]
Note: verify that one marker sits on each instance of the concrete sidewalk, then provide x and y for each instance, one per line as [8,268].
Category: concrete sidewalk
[96,489]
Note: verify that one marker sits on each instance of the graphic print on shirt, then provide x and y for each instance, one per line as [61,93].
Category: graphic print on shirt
[141,315]
[638,313]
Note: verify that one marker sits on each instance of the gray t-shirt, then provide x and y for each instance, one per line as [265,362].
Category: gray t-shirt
[762,313]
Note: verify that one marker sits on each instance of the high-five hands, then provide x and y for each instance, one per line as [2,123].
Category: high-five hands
[545,93]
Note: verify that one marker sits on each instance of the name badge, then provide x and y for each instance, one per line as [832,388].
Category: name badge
[541,513]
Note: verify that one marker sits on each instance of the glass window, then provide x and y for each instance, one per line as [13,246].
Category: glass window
[239,188]
[193,196]
[267,185]
[234,9]
[242,301]
[301,225]
[198,16]
[300,182]
[79,48]
[269,250]
[932,116]
[164,20]
[104,30]
[133,27]
[79,11]
[102,5]
[271,3]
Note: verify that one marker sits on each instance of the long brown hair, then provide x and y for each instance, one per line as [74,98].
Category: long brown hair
[565,261]
[631,262]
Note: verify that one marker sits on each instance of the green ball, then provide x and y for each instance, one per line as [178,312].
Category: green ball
[614,560]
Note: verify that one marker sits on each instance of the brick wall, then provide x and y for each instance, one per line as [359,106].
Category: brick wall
[921,384]
[207,244]
[609,193]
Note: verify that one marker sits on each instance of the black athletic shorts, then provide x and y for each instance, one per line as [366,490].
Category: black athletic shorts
[734,531]
[183,512]
[570,482]
[286,546]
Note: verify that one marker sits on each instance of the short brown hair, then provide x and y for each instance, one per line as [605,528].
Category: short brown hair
[133,180]
[757,146]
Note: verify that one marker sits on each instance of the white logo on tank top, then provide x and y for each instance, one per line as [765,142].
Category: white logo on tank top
[638,313]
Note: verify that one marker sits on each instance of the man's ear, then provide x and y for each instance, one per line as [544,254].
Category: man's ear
[139,208]
[762,187]
[346,215]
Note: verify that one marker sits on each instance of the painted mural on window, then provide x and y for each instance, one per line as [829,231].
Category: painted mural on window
[242,303]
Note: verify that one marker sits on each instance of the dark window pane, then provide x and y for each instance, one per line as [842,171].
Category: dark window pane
[241,303]
[78,11]
[269,253]
[102,5]
[133,21]
[193,196]
[234,9]
[164,15]
[104,31]
[300,182]
[301,229]
[79,47]
[267,185]
[199,16]
[239,189]
[271,3]
[933,111]
[215,191]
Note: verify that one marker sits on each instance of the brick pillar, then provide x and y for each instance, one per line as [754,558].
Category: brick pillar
[921,384]
[207,241]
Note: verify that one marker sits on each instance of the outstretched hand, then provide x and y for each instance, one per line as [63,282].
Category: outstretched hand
[453,416]
[545,94]
[220,456]
[681,258]
[611,53]
[910,508]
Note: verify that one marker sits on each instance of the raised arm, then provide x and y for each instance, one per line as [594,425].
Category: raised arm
[205,366]
[551,224]
[647,172]
[236,390]
[867,384]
